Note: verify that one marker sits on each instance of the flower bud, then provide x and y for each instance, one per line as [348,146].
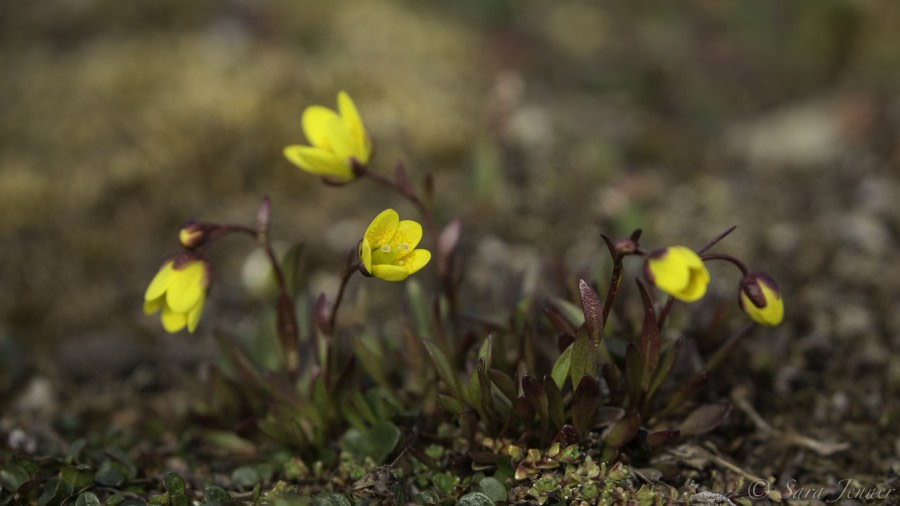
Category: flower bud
[193,234]
[759,297]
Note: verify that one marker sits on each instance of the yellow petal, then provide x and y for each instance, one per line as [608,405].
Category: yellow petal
[771,314]
[698,280]
[365,255]
[353,122]
[172,321]
[669,274]
[390,272]
[327,131]
[382,228]
[406,238]
[317,122]
[187,288]
[319,162]
[160,282]
[680,273]
[152,306]
[193,316]
[414,261]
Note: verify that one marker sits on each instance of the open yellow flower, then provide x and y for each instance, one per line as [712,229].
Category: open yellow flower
[760,298]
[678,271]
[178,292]
[388,249]
[338,139]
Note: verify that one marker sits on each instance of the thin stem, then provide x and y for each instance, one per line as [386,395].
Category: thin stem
[728,258]
[408,193]
[348,273]
[664,313]
[716,239]
[728,346]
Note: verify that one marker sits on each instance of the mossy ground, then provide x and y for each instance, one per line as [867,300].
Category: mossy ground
[543,124]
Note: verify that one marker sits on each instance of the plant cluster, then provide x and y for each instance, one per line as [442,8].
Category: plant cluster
[592,405]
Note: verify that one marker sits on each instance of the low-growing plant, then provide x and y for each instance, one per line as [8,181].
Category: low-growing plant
[519,405]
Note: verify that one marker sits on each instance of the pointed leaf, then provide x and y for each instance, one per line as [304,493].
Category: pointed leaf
[663,437]
[505,383]
[665,366]
[649,341]
[485,352]
[583,360]
[558,321]
[585,402]
[593,312]
[554,403]
[562,366]
[633,372]
[623,432]
[612,375]
[444,370]
[537,397]
[704,419]
[450,404]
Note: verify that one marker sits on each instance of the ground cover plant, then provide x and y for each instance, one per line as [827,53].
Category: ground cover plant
[519,400]
[507,270]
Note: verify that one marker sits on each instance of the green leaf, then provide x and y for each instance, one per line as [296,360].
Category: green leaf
[444,483]
[427,497]
[561,368]
[87,499]
[111,474]
[665,365]
[418,304]
[245,476]
[537,397]
[78,477]
[505,383]
[569,311]
[74,449]
[331,499]
[384,436]
[174,484]
[443,369]
[585,402]
[13,476]
[493,488]
[623,432]
[371,360]
[584,360]
[450,404]
[475,499]
[131,469]
[55,492]
[554,403]
[486,350]
[213,493]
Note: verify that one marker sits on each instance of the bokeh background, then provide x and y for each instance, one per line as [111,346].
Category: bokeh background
[543,123]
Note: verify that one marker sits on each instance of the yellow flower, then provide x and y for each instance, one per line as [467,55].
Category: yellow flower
[678,271]
[388,250]
[760,299]
[338,139]
[178,291]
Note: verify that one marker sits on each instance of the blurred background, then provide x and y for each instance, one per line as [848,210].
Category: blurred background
[543,124]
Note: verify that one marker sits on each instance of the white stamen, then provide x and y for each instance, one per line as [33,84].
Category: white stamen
[386,248]
[403,247]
